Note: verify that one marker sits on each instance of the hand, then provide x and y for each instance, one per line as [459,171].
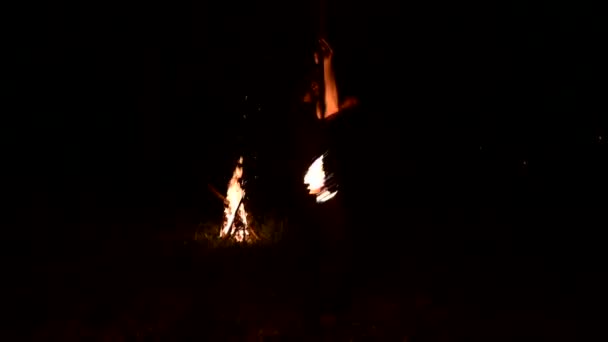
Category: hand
[325,48]
[315,88]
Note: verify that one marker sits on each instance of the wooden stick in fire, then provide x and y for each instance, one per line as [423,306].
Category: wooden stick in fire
[236,212]
[218,194]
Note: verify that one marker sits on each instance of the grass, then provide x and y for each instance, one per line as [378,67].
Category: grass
[175,290]
[269,228]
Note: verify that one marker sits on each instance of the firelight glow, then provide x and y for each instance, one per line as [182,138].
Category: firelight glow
[316,178]
[235,209]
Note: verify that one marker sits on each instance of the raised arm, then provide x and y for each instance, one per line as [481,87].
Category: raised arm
[331,90]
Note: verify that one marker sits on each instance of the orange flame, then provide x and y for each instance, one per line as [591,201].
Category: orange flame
[316,179]
[235,209]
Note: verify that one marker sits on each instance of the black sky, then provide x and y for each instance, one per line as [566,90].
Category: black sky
[140,104]
[481,145]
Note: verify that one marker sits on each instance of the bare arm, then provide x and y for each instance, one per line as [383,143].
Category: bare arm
[331,90]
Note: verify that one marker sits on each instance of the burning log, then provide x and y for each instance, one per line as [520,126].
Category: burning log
[231,222]
[249,234]
[235,209]
[218,194]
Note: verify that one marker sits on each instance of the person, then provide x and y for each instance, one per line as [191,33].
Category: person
[328,105]
[331,248]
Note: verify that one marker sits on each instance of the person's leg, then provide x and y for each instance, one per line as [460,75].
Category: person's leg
[334,263]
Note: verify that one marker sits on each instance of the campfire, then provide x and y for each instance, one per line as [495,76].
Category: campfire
[235,224]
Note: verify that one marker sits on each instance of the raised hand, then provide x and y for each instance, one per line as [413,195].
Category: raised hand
[325,48]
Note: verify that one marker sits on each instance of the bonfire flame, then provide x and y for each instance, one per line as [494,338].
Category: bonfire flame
[317,181]
[235,216]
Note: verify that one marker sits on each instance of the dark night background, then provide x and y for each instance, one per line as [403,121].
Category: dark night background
[478,155]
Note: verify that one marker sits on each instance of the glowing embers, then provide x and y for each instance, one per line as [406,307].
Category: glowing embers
[319,182]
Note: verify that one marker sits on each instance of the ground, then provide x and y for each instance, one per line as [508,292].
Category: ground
[176,290]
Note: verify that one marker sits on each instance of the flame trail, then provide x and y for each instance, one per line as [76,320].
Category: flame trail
[317,180]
